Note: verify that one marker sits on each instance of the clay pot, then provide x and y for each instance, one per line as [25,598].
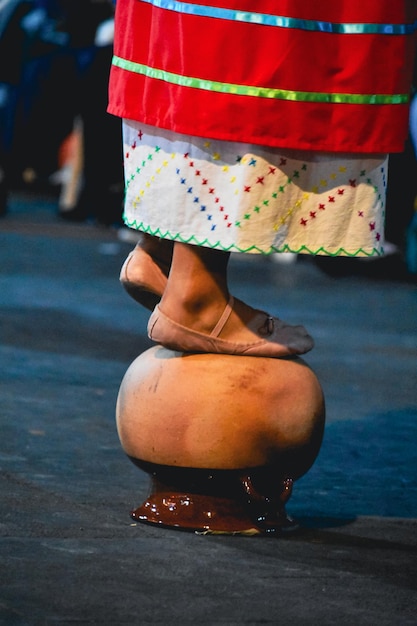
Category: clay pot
[222,437]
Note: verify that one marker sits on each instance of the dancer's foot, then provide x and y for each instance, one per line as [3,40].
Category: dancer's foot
[144,273]
[243,330]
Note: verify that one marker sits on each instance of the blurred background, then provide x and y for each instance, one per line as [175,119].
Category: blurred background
[55,133]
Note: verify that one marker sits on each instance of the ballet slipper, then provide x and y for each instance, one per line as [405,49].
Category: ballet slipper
[276,338]
[144,278]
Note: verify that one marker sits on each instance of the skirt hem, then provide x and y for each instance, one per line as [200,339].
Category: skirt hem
[217,245]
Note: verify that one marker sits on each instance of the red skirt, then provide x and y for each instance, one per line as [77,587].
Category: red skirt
[327,76]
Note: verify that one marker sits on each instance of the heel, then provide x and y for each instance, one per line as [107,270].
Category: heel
[143,278]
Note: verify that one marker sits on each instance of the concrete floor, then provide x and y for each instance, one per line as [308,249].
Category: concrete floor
[70,553]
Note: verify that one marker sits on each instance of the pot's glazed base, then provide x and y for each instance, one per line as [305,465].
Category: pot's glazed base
[249,501]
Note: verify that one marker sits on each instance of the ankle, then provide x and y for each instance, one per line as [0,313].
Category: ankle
[200,311]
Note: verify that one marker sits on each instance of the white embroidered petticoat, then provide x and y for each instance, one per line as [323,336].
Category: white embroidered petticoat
[244,198]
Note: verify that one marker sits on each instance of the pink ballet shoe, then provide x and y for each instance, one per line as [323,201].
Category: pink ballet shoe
[276,338]
[144,278]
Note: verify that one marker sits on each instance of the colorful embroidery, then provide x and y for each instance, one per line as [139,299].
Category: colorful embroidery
[203,192]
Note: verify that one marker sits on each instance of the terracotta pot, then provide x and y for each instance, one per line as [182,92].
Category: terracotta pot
[221,436]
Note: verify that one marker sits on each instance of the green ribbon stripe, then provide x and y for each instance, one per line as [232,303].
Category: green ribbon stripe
[258,92]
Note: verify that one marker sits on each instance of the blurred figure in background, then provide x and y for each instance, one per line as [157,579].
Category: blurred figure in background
[58,58]
[21,23]
[97,193]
